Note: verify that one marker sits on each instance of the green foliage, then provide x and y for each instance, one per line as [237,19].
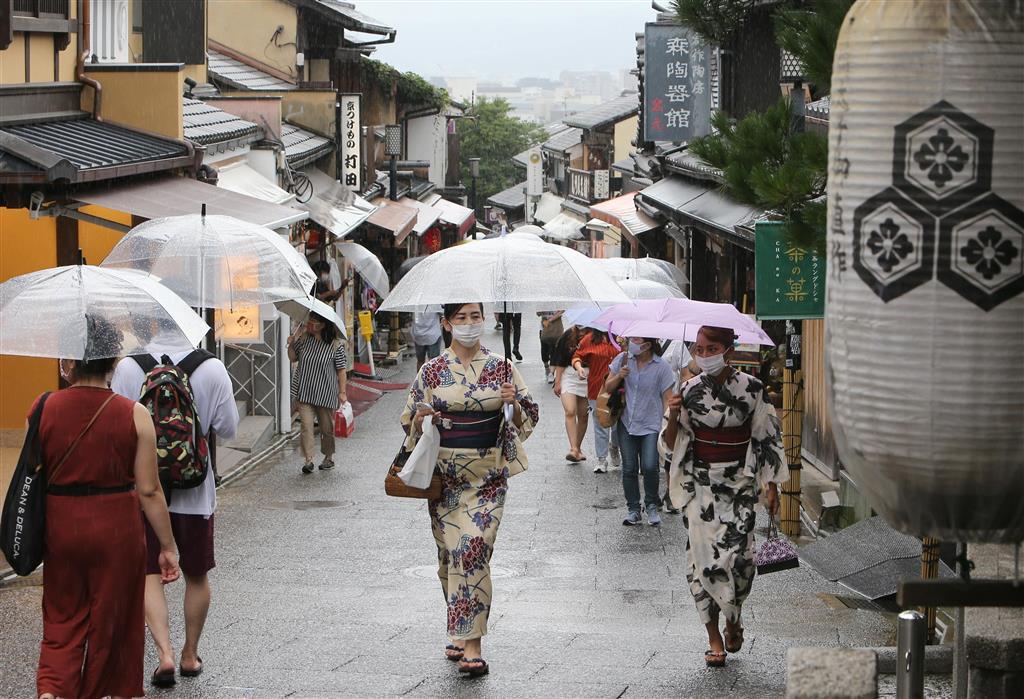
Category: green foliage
[494,137]
[411,89]
[714,20]
[811,35]
[768,165]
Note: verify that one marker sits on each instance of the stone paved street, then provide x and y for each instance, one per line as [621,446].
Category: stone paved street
[325,587]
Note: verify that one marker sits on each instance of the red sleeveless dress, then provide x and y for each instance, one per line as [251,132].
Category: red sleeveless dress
[94,567]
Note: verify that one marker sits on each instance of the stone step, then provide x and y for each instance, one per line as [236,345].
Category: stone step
[228,460]
[253,432]
[243,408]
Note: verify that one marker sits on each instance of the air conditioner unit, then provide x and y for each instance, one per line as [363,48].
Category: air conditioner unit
[109,33]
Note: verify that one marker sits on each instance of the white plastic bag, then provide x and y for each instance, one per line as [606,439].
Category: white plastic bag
[419,468]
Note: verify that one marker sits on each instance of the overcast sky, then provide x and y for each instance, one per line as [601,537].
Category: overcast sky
[510,38]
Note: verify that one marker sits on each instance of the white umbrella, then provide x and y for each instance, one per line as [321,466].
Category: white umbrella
[300,308]
[518,268]
[563,227]
[215,261]
[59,312]
[636,289]
[367,265]
[621,268]
[673,271]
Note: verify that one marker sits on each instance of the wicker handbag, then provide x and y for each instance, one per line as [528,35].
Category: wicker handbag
[610,406]
[396,487]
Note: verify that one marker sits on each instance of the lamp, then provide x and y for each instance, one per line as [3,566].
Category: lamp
[393,140]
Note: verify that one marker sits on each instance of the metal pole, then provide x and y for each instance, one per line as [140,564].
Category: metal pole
[960,669]
[475,212]
[910,655]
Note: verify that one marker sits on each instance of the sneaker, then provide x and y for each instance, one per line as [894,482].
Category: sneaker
[615,455]
[497,326]
[632,519]
[601,466]
[653,518]
[308,468]
[327,464]
[551,377]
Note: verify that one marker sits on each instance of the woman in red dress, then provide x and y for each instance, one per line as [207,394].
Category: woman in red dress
[94,569]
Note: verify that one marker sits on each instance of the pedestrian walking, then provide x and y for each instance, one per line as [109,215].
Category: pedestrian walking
[725,444]
[191,510]
[512,333]
[572,391]
[550,330]
[319,385]
[591,361]
[100,454]
[426,336]
[648,383]
[466,391]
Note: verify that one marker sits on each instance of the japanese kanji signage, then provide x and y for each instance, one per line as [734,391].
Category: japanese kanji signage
[534,172]
[790,280]
[601,185]
[351,130]
[677,84]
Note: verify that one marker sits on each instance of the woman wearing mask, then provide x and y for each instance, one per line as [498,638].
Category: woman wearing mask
[649,381]
[469,393]
[319,385]
[590,362]
[725,445]
[572,391]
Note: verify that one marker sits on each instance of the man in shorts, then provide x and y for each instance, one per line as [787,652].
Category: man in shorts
[192,515]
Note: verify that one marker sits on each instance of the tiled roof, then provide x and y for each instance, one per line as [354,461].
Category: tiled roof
[352,18]
[819,109]
[608,113]
[564,140]
[301,146]
[206,124]
[511,198]
[238,75]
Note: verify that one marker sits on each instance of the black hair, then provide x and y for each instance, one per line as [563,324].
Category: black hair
[450,309]
[104,339]
[321,266]
[723,336]
[598,336]
[329,333]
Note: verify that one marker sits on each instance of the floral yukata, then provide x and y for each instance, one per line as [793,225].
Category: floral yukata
[718,498]
[465,519]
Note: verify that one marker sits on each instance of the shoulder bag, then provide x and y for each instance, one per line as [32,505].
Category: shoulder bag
[610,406]
[23,523]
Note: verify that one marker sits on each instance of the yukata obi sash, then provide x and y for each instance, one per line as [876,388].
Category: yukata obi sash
[469,429]
[720,444]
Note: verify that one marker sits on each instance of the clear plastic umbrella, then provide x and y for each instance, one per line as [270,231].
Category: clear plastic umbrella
[299,309]
[215,261]
[367,265]
[621,268]
[636,289]
[518,268]
[88,312]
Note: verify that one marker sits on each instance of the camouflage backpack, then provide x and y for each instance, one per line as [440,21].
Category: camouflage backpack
[181,447]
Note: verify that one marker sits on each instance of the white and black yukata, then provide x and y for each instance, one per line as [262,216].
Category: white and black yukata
[728,449]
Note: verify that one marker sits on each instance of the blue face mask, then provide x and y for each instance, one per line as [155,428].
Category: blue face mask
[635,350]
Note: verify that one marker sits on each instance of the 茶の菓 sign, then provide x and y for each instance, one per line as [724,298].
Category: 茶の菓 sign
[351,128]
[677,84]
[790,280]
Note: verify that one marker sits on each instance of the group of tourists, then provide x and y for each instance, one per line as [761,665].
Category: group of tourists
[710,426]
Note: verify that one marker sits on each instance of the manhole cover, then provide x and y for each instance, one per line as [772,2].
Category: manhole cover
[430,572]
[308,504]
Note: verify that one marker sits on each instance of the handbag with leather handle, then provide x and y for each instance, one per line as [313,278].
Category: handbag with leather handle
[610,406]
[396,487]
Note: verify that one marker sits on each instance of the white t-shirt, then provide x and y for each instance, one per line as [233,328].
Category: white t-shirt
[426,328]
[215,404]
[677,356]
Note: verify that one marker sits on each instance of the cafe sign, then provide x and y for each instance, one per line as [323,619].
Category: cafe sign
[790,280]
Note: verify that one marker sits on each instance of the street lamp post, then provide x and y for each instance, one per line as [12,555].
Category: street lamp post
[474,173]
[393,149]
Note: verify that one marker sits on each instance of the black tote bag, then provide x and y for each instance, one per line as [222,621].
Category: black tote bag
[23,523]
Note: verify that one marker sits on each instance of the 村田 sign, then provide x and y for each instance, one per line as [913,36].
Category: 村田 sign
[677,84]
[351,130]
[789,280]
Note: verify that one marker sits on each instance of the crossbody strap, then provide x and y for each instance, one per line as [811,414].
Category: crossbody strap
[53,474]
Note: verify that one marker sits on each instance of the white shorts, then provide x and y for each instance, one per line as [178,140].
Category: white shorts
[572,383]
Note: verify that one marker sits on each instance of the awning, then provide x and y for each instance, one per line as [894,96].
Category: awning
[240,178]
[392,216]
[174,196]
[426,215]
[622,212]
[455,215]
[549,206]
[334,206]
[690,200]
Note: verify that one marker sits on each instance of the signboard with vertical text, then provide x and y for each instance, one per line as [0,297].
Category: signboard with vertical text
[677,83]
[789,280]
[351,152]
[534,173]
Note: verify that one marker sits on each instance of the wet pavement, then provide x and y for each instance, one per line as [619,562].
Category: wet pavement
[325,587]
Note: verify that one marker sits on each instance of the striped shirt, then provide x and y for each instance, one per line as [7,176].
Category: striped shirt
[596,356]
[316,372]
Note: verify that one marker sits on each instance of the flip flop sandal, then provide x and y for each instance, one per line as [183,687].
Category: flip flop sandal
[479,671]
[453,652]
[714,658]
[571,458]
[734,641]
[193,673]
[163,678]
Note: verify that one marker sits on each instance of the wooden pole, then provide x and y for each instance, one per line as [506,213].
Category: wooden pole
[792,429]
[929,571]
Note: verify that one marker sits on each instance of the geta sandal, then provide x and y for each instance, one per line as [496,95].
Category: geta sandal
[714,658]
[480,670]
[453,652]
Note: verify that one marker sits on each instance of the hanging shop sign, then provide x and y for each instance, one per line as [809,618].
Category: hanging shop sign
[677,84]
[240,325]
[534,173]
[601,185]
[351,128]
[789,280]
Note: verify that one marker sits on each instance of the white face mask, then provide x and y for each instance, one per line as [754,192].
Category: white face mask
[711,365]
[468,335]
[636,349]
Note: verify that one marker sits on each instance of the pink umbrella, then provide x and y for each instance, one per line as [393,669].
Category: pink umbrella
[680,319]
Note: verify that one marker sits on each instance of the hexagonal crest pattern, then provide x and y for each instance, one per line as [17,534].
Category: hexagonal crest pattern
[982,251]
[893,244]
[942,158]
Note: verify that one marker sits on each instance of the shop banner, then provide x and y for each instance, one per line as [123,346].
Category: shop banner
[534,173]
[677,84]
[351,153]
[790,280]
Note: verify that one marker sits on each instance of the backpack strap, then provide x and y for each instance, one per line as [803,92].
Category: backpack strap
[145,362]
[194,359]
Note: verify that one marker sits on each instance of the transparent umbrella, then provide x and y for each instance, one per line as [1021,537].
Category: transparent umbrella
[621,268]
[518,268]
[367,265]
[215,261]
[299,309]
[88,312]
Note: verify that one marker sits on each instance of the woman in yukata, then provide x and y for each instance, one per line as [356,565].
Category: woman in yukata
[725,445]
[483,411]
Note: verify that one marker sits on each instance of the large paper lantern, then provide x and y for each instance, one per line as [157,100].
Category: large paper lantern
[925,310]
